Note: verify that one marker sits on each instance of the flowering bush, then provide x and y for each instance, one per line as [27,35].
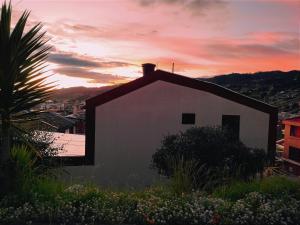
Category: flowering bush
[81,205]
[255,209]
[186,209]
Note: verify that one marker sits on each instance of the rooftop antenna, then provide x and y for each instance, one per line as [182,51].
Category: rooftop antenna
[173,67]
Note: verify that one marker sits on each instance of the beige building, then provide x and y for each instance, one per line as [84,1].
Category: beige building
[125,125]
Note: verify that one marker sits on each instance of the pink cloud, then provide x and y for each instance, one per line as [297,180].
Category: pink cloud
[223,37]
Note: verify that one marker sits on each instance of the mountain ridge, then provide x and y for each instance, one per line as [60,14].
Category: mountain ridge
[278,88]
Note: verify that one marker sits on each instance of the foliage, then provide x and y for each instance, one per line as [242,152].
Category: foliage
[28,165]
[22,86]
[276,186]
[20,171]
[43,142]
[24,173]
[256,208]
[81,204]
[46,148]
[217,156]
[22,82]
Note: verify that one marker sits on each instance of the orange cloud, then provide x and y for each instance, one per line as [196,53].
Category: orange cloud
[97,40]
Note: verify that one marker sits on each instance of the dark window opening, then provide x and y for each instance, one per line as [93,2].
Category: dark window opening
[294,154]
[231,124]
[295,131]
[188,118]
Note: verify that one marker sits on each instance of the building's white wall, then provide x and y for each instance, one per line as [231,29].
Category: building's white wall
[130,128]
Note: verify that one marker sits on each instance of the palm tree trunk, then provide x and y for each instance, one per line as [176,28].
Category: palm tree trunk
[5,139]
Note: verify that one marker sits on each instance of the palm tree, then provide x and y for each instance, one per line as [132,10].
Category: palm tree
[22,82]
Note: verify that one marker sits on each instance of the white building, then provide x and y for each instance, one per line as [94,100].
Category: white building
[125,125]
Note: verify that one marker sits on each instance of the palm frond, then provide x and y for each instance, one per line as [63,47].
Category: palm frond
[23,84]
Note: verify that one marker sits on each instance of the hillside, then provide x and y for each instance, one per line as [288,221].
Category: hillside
[281,89]
[78,93]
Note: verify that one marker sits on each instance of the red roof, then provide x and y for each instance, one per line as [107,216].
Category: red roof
[292,121]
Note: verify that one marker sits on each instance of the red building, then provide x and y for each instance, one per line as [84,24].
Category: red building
[291,153]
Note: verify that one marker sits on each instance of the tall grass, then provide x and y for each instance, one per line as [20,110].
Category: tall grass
[275,186]
[189,174]
[183,178]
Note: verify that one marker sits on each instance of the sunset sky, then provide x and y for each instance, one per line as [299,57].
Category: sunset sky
[104,42]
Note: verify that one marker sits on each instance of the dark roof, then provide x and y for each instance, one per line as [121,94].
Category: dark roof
[183,81]
[77,116]
[56,120]
[294,118]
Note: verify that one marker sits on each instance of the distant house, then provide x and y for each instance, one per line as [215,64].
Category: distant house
[51,121]
[125,125]
[79,120]
[291,152]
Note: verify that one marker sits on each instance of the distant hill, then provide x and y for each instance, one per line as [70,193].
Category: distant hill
[281,89]
[79,93]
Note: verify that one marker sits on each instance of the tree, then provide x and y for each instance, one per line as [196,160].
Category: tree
[22,82]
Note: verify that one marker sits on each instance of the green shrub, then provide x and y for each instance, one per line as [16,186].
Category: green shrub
[273,186]
[42,143]
[19,171]
[24,176]
[31,157]
[216,153]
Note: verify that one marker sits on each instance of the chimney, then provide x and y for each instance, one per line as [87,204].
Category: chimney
[148,68]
